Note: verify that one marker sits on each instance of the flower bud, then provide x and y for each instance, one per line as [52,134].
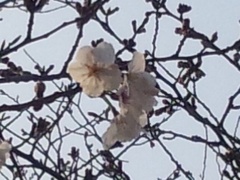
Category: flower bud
[39,89]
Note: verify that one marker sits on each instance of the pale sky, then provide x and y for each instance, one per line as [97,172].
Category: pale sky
[221,81]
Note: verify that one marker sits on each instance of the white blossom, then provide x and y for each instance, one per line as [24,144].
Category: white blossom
[5,148]
[136,98]
[123,128]
[95,70]
[127,103]
[141,84]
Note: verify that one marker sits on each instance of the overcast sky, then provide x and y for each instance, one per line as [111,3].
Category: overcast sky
[143,162]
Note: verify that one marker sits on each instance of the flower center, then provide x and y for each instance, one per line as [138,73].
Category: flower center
[92,70]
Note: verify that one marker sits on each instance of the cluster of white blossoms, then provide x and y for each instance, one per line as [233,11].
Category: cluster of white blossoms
[96,72]
[5,148]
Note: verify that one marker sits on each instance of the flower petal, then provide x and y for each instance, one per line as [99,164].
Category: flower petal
[84,55]
[123,128]
[149,103]
[78,67]
[141,92]
[104,53]
[109,138]
[92,86]
[143,82]
[137,64]
[77,73]
[5,148]
[142,101]
[149,80]
[111,77]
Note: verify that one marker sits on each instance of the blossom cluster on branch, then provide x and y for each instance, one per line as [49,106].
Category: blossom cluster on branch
[94,69]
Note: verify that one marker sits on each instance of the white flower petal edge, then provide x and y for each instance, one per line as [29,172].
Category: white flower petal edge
[104,53]
[79,67]
[5,148]
[84,56]
[123,128]
[95,70]
[137,64]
